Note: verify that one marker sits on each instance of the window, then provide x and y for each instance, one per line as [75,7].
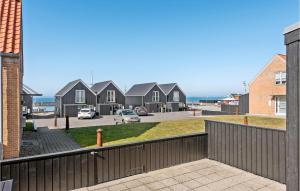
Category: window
[111,96]
[176,96]
[155,96]
[280,105]
[80,96]
[280,78]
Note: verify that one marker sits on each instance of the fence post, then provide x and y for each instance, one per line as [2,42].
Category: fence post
[237,110]
[67,123]
[245,120]
[55,121]
[99,138]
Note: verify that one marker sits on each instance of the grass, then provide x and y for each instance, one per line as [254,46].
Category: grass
[29,127]
[119,134]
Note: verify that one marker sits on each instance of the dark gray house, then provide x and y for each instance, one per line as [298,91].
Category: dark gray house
[74,96]
[109,97]
[175,97]
[149,95]
[27,95]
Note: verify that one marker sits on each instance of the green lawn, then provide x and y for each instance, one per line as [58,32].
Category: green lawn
[29,127]
[118,134]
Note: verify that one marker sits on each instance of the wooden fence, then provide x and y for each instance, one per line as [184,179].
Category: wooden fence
[257,150]
[87,167]
[230,109]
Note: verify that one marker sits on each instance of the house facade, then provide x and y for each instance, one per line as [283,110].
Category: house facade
[175,97]
[27,96]
[149,95]
[72,97]
[109,97]
[267,92]
[11,77]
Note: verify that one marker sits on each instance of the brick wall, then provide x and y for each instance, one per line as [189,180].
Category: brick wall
[11,86]
[263,89]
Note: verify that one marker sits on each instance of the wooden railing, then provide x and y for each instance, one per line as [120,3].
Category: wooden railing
[87,167]
[258,150]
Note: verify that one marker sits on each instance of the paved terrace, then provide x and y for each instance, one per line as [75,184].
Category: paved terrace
[204,175]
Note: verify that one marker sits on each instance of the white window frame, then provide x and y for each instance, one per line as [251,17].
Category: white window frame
[155,96]
[280,78]
[277,105]
[79,96]
[177,96]
[111,96]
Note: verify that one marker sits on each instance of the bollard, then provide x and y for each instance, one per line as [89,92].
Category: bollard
[67,123]
[194,113]
[55,121]
[245,120]
[99,137]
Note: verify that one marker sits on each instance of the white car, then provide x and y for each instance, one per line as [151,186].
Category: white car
[126,116]
[86,113]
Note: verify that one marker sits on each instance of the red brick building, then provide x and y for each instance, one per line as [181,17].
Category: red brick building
[267,92]
[11,64]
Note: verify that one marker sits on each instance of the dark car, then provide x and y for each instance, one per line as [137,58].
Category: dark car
[141,111]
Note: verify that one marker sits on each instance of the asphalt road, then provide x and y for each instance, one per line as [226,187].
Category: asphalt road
[109,120]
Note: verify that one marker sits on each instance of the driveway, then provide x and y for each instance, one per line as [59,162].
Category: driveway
[109,120]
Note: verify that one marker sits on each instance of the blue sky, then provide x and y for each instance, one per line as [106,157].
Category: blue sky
[209,47]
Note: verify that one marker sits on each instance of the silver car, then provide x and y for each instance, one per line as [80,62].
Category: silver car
[124,116]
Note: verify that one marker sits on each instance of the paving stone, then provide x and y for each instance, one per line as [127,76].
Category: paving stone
[203,180]
[203,188]
[169,182]
[192,184]
[140,188]
[216,177]
[147,179]
[179,187]
[133,184]
[182,178]
[118,187]
[155,185]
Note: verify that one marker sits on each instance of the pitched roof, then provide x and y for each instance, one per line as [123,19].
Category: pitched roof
[166,88]
[10,26]
[67,87]
[140,89]
[282,56]
[28,91]
[100,86]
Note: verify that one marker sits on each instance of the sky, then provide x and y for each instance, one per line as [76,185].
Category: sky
[209,47]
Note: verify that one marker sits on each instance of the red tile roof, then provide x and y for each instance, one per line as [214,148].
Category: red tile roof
[282,56]
[10,26]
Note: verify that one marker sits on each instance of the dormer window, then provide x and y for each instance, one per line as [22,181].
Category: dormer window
[111,96]
[176,96]
[155,96]
[79,96]
[280,78]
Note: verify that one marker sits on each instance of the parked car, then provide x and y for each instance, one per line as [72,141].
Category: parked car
[124,116]
[86,113]
[141,111]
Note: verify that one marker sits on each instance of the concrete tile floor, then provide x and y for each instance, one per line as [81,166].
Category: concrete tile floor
[202,175]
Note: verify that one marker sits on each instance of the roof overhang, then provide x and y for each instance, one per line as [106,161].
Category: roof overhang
[291,28]
[74,86]
[111,82]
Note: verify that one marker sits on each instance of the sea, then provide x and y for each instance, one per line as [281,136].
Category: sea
[44,99]
[52,99]
[203,99]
